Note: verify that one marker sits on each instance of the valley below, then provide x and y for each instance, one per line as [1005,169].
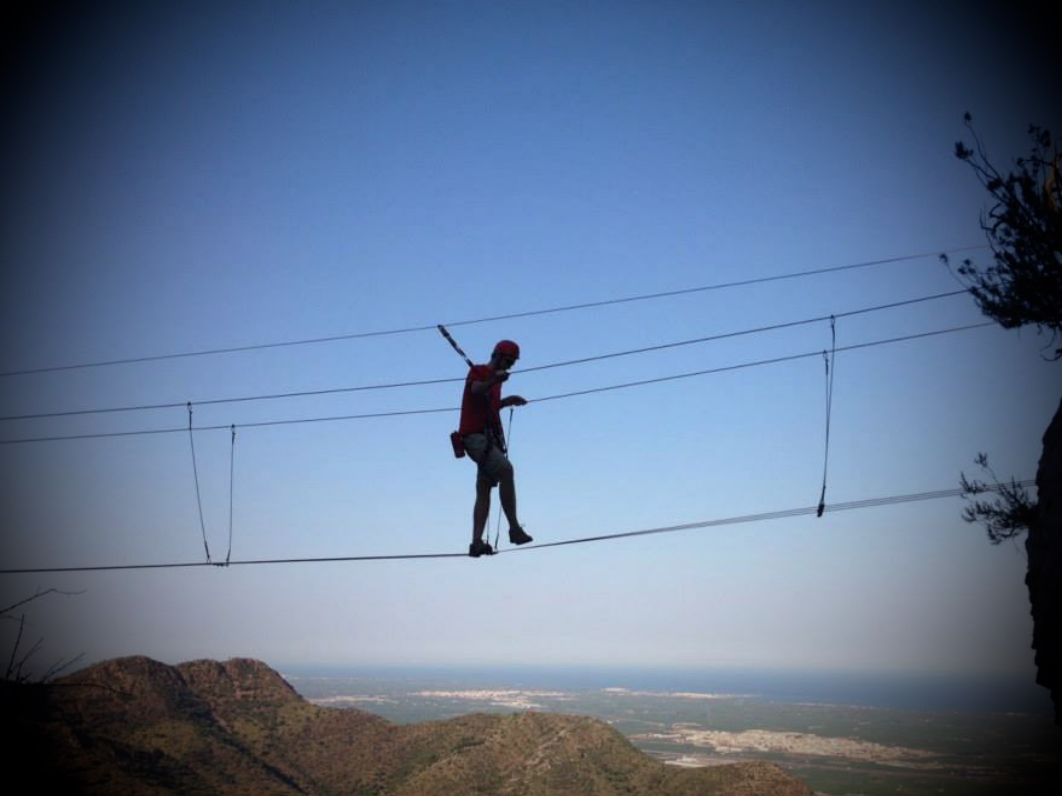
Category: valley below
[834,748]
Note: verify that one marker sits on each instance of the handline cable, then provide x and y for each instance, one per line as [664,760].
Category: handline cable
[757,363]
[746,518]
[259,424]
[572,394]
[706,288]
[744,332]
[450,380]
[241,399]
[491,319]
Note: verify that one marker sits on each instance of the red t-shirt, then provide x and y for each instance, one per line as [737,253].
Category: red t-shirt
[479,412]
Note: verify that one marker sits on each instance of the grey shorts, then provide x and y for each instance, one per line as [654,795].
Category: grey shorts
[492,463]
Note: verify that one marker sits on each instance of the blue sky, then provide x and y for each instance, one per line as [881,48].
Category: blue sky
[226,175]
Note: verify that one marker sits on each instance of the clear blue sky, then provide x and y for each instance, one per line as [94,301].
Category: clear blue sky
[230,174]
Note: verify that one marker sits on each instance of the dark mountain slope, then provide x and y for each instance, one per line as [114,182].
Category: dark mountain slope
[136,726]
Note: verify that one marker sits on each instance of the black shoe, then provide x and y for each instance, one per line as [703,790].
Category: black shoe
[480,548]
[517,536]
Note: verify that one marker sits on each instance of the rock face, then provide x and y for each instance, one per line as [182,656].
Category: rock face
[139,727]
[1044,576]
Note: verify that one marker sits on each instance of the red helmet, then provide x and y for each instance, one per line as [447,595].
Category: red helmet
[507,348]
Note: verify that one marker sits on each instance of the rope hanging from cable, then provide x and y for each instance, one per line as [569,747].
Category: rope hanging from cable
[508,447]
[198,494]
[232,470]
[195,474]
[829,359]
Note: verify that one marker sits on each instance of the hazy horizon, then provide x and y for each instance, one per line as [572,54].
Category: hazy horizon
[988,692]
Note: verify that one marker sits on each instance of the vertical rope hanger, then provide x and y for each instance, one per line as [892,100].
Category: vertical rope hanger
[195,473]
[232,469]
[828,358]
[198,495]
[508,444]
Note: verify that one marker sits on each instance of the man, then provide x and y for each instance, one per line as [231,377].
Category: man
[484,441]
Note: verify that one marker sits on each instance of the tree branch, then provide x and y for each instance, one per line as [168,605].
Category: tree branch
[1006,517]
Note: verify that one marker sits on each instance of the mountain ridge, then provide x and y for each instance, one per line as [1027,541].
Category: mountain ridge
[136,726]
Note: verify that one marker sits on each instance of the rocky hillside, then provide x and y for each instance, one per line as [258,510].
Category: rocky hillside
[136,726]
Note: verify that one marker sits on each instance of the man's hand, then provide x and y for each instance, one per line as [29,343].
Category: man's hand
[513,400]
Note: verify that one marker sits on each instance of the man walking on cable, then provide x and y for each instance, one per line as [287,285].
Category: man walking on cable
[484,441]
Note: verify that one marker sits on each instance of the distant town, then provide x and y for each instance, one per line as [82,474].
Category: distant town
[835,748]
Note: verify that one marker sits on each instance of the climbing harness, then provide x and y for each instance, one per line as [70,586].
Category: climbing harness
[494,436]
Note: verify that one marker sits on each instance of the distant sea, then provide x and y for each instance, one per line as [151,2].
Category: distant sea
[990,693]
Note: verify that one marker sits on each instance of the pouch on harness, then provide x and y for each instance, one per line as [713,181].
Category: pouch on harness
[459,444]
[494,438]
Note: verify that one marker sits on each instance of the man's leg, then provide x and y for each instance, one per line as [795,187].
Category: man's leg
[507,495]
[481,510]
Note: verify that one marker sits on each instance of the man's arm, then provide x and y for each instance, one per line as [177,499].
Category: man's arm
[480,386]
